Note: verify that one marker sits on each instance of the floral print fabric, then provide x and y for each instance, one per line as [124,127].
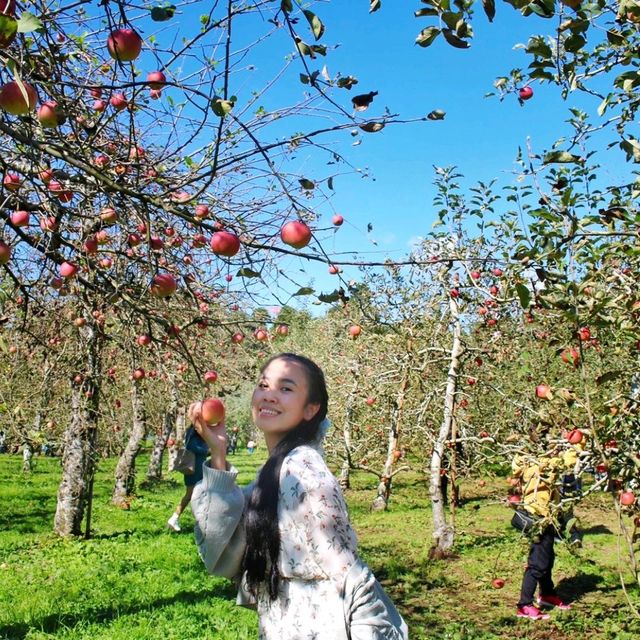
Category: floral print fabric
[318,547]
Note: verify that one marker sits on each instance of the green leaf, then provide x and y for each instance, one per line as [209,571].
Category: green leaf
[8,30]
[329,297]
[162,14]
[436,114]
[27,23]
[221,107]
[489,7]
[245,272]
[307,184]
[574,43]
[330,183]
[427,36]
[424,13]
[346,83]
[304,78]
[542,8]
[304,291]
[317,28]
[286,6]
[609,376]
[562,157]
[374,5]
[615,38]
[524,294]
[453,39]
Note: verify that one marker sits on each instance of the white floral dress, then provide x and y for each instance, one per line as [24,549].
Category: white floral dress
[318,547]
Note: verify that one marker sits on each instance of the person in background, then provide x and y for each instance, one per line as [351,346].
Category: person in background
[3,442]
[27,457]
[251,446]
[286,539]
[538,476]
[193,442]
[233,443]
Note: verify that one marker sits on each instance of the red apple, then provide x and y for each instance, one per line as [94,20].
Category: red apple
[48,114]
[124,45]
[261,334]
[225,243]
[296,234]
[20,218]
[202,211]
[337,220]
[571,356]
[514,500]
[575,436]
[497,583]
[212,411]
[333,270]
[282,330]
[138,374]
[18,99]
[12,182]
[471,381]
[48,223]
[355,330]
[5,252]
[156,79]
[497,272]
[163,285]
[584,334]
[118,101]
[371,401]
[68,269]
[237,338]
[627,498]
[144,340]
[454,293]
[525,93]
[108,215]
[544,391]
[99,105]
[476,275]
[8,8]
[210,377]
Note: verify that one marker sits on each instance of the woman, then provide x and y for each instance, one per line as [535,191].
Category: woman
[287,538]
[193,442]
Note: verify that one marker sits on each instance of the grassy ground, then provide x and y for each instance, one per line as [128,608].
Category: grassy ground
[134,580]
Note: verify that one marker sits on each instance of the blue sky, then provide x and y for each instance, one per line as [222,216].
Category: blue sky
[479,135]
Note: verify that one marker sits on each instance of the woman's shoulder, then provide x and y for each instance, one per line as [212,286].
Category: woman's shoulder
[306,461]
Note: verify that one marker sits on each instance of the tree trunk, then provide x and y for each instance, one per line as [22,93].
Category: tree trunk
[347,464]
[126,468]
[79,455]
[381,502]
[443,532]
[181,416]
[154,471]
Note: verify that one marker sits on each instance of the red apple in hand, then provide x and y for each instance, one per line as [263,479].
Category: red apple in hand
[212,411]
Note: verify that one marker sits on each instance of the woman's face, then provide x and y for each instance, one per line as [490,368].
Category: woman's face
[280,400]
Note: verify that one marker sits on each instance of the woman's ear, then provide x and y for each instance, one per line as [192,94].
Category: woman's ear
[310,410]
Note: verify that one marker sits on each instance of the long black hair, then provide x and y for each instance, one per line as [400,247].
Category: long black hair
[260,561]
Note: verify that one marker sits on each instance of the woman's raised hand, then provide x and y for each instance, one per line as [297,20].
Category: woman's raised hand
[214,435]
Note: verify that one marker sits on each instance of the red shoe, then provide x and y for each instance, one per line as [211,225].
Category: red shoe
[530,611]
[553,601]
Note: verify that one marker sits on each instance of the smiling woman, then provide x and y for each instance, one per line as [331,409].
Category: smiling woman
[286,539]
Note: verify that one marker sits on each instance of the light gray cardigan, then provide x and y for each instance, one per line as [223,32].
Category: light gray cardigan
[218,505]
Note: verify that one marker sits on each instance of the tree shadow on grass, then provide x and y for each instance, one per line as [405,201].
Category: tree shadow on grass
[30,522]
[574,587]
[596,529]
[51,623]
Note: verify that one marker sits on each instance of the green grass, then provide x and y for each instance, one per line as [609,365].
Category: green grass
[134,580]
